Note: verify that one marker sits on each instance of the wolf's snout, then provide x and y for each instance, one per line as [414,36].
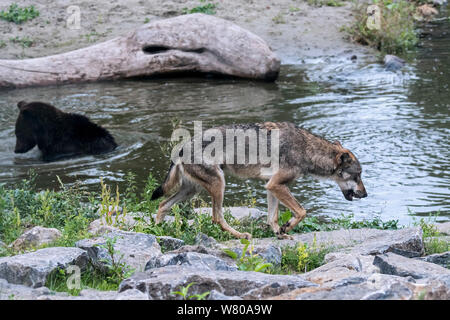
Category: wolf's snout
[360,194]
[350,194]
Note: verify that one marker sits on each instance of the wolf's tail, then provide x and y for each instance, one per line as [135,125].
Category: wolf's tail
[171,180]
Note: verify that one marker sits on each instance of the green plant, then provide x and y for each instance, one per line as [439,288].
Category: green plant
[117,269]
[209,8]
[278,19]
[301,258]
[436,245]
[431,236]
[330,3]
[250,262]
[24,207]
[24,42]
[184,293]
[2,44]
[348,222]
[90,278]
[110,207]
[18,14]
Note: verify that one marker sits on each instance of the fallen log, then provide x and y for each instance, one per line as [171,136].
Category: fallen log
[195,42]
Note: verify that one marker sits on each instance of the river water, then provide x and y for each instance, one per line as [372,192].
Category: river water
[396,123]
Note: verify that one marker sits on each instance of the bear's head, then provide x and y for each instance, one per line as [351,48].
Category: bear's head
[25,137]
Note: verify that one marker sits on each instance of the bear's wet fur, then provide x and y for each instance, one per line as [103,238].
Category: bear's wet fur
[58,134]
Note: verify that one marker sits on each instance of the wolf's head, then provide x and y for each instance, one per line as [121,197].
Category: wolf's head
[347,175]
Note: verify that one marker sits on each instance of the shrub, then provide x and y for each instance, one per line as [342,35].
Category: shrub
[18,14]
[396,33]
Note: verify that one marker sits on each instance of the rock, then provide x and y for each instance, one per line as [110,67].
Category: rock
[394,264]
[32,269]
[92,294]
[203,240]
[443,228]
[36,237]
[9,291]
[239,213]
[340,266]
[192,42]
[219,253]
[159,283]
[132,294]
[393,63]
[372,287]
[435,288]
[197,260]
[407,242]
[168,243]
[425,12]
[442,259]
[126,223]
[439,2]
[133,248]
[270,253]
[216,295]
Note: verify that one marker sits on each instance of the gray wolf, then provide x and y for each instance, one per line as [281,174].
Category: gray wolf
[300,153]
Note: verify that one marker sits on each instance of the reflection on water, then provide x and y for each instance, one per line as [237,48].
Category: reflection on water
[395,123]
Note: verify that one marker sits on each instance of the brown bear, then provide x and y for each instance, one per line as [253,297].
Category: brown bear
[58,134]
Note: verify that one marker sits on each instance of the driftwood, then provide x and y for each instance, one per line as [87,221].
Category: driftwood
[196,42]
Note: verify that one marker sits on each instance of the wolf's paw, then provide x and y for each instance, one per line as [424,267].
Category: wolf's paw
[284,236]
[246,235]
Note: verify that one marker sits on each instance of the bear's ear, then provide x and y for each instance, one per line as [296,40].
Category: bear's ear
[337,143]
[21,104]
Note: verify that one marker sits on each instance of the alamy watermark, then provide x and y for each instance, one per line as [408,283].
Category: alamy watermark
[73,21]
[233,145]
[373,17]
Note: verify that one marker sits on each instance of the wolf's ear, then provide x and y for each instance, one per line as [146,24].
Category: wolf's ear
[337,143]
[21,104]
[342,158]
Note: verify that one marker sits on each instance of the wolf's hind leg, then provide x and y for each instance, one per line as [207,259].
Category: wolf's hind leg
[272,212]
[187,190]
[213,181]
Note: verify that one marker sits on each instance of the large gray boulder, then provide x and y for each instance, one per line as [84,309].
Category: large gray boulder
[132,248]
[195,43]
[32,269]
[159,283]
[169,243]
[36,237]
[442,259]
[372,287]
[200,261]
[407,242]
[434,288]
[391,263]
[9,291]
[443,228]
[125,222]
[342,265]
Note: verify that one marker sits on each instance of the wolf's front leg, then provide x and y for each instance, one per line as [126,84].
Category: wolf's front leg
[282,193]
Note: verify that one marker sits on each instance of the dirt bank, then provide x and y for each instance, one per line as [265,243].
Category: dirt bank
[294,29]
